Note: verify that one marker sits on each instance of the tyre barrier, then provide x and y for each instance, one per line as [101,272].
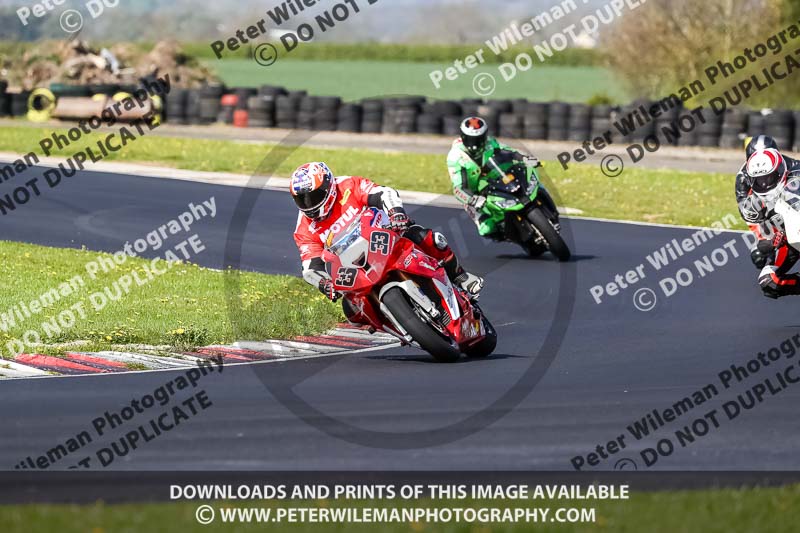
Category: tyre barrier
[271,106]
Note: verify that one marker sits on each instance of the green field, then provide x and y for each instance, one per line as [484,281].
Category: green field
[354,80]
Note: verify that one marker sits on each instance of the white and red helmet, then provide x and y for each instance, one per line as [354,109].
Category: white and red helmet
[767,171]
[474,134]
[313,188]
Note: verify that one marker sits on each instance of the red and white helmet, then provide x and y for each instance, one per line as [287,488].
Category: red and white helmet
[474,134]
[767,171]
[313,188]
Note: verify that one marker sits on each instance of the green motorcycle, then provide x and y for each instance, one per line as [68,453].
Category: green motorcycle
[520,212]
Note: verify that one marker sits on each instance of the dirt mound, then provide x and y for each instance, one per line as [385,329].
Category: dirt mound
[77,63]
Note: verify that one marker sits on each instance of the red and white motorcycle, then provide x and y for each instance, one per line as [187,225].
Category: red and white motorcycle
[394,287]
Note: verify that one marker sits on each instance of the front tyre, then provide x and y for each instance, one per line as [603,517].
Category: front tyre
[427,337]
[554,240]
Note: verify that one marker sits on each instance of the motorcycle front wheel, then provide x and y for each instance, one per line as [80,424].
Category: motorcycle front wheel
[554,240]
[427,337]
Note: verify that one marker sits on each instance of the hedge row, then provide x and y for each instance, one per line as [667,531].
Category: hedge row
[400,52]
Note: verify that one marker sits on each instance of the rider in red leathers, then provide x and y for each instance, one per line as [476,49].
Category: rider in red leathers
[327,202]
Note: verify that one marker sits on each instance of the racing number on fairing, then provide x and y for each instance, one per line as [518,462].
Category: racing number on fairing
[379,243]
[346,277]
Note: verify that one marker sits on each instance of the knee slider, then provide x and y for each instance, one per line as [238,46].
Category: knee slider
[765,280]
[440,241]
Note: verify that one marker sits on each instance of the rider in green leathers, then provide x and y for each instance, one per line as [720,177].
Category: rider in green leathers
[466,161]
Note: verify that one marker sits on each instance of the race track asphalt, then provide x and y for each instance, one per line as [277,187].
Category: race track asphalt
[526,408]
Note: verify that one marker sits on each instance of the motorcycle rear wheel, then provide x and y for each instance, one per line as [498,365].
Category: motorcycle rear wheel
[428,338]
[486,346]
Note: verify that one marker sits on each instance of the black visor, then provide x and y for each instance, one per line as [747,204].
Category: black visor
[311,200]
[764,184]
[474,144]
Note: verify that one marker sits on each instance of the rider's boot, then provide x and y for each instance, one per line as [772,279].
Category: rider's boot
[469,282]
[435,244]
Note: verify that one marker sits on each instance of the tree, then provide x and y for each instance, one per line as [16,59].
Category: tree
[667,44]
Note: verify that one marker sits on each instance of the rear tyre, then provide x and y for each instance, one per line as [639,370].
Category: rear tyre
[429,339]
[554,240]
[487,345]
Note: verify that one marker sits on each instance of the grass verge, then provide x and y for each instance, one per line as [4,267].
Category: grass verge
[723,510]
[663,196]
[184,308]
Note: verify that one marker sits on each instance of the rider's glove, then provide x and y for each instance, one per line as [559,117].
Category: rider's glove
[398,220]
[779,239]
[531,161]
[477,201]
[326,288]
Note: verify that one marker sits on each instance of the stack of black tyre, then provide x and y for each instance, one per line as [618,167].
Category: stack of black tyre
[535,120]
[558,121]
[319,113]
[511,121]
[18,103]
[734,128]
[207,105]
[755,123]
[644,121]
[780,125]
[600,121]
[709,132]
[326,113]
[287,107]
[261,107]
[451,125]
[176,106]
[797,131]
[431,119]
[668,119]
[400,114]
[5,99]
[261,111]
[580,122]
[491,112]
[349,118]
[685,119]
[305,113]
[629,124]
[372,115]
